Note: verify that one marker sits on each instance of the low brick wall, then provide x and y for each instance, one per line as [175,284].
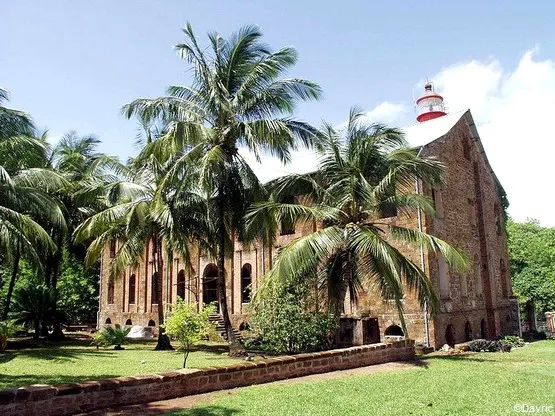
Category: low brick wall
[73,398]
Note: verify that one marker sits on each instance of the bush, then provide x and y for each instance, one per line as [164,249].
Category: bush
[514,341]
[534,335]
[115,336]
[7,329]
[282,325]
[484,345]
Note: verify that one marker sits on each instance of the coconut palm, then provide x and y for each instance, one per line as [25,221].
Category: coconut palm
[13,122]
[140,215]
[237,99]
[26,207]
[365,173]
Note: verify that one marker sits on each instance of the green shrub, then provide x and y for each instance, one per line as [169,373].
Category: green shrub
[7,329]
[282,325]
[484,345]
[115,336]
[514,341]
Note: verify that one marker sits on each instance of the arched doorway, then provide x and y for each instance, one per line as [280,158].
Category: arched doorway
[108,321]
[129,322]
[467,331]
[151,323]
[210,285]
[181,284]
[246,281]
[483,329]
[450,336]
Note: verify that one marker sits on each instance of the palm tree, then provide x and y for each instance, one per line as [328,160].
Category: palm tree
[236,100]
[140,215]
[26,206]
[86,172]
[13,122]
[365,173]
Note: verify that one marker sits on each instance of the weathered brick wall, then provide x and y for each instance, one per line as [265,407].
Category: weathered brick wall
[81,397]
[470,219]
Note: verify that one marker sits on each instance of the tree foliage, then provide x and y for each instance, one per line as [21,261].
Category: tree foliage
[532,260]
[283,323]
[187,326]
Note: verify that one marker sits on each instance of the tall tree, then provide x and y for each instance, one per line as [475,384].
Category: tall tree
[532,259]
[237,99]
[26,207]
[366,173]
[140,216]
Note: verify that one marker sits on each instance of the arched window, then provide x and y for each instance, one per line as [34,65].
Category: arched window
[467,331]
[128,322]
[132,287]
[111,289]
[108,321]
[394,331]
[246,281]
[503,275]
[151,323]
[155,287]
[210,284]
[287,226]
[112,249]
[181,284]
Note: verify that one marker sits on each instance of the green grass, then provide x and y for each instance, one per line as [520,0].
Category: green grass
[76,361]
[473,384]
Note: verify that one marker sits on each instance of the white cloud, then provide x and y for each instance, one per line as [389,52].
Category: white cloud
[514,109]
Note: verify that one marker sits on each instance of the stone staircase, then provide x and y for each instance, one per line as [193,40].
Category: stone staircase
[220,327]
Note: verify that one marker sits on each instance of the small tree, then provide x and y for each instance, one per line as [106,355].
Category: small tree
[187,326]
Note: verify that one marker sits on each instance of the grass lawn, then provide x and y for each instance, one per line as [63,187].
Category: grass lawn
[73,361]
[472,384]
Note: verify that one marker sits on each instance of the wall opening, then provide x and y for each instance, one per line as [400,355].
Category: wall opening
[181,284]
[467,331]
[113,248]
[155,287]
[483,329]
[108,321]
[210,285]
[394,331]
[246,281]
[132,288]
[128,322]
[111,290]
[450,335]
[151,323]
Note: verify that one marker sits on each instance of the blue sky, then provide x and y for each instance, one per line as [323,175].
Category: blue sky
[74,64]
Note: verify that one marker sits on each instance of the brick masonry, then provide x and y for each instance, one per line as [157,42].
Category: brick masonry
[475,304]
[74,398]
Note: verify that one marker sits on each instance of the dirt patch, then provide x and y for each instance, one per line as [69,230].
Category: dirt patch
[188,402]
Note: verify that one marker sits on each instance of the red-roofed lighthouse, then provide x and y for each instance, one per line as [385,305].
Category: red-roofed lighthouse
[430,104]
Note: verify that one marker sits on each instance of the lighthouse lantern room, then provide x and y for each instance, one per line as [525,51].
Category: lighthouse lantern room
[430,105]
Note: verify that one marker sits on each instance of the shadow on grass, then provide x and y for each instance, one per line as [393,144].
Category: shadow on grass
[205,411]
[10,381]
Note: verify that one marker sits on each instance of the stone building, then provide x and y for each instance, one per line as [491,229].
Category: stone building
[469,205]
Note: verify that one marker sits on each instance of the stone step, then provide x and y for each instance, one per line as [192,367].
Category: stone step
[220,327]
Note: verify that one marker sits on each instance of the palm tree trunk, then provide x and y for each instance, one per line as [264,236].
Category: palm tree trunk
[235,347]
[13,279]
[163,342]
[57,333]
